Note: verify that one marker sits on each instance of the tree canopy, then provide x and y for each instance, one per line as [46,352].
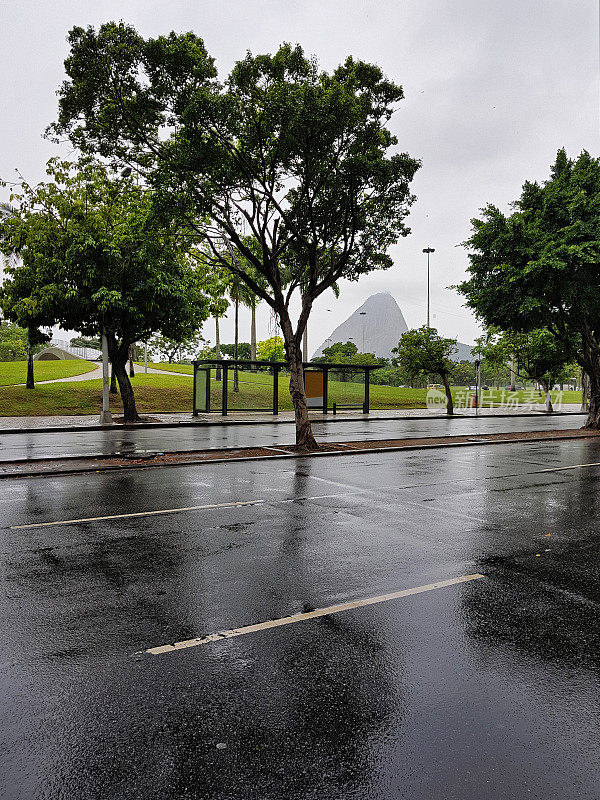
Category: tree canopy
[288,173]
[538,267]
[423,351]
[272,349]
[95,258]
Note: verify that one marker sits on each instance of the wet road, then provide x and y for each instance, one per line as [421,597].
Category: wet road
[485,689]
[126,442]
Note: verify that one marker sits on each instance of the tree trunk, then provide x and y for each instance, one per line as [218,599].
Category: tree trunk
[113,380]
[305,439]
[593,418]
[132,354]
[547,397]
[217,348]
[118,355]
[30,384]
[585,391]
[236,380]
[130,413]
[253,335]
[591,366]
[449,402]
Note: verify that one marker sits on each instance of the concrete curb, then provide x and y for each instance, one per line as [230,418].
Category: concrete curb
[207,423]
[289,455]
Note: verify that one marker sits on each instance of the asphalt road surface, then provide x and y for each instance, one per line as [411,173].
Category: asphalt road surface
[118,441]
[486,686]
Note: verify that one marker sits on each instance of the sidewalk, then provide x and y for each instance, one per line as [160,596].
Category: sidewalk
[90,422]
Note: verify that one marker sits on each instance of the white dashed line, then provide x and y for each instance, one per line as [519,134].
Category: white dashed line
[574,466]
[239,504]
[137,514]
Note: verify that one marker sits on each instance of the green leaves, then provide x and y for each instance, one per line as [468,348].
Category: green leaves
[422,350]
[287,163]
[538,269]
[94,254]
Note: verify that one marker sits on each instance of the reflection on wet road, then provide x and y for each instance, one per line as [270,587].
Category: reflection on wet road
[142,440]
[487,688]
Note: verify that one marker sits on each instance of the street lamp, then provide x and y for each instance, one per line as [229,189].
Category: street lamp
[428,250]
[363,314]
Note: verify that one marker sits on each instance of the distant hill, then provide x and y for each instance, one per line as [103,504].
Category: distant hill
[383,323]
[464,352]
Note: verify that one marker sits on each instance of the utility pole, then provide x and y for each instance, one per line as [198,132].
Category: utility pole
[477,386]
[428,250]
[146,356]
[105,416]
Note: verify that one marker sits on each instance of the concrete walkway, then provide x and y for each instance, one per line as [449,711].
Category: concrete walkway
[90,421]
[96,374]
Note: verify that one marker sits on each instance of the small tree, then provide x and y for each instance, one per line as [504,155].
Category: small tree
[424,351]
[13,342]
[175,349]
[298,161]
[244,350]
[272,349]
[340,353]
[537,355]
[22,303]
[96,259]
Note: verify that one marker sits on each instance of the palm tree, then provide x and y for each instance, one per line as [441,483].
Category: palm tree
[253,303]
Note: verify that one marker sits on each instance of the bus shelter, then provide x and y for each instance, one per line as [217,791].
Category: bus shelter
[316,380]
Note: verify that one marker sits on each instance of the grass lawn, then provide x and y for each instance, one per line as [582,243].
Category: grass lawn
[152,393]
[12,372]
[156,393]
[185,368]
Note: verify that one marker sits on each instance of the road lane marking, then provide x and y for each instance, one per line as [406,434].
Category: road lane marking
[159,512]
[138,514]
[574,466]
[356,490]
[320,612]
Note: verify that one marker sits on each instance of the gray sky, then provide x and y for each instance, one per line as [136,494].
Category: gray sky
[493,88]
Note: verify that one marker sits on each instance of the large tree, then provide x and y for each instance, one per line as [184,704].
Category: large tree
[423,350]
[95,258]
[539,266]
[293,171]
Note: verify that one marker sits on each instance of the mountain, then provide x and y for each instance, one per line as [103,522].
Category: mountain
[464,352]
[382,326]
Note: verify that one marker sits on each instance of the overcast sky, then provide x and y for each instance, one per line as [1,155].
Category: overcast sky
[493,88]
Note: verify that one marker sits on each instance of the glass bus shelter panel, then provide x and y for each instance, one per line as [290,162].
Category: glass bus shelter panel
[202,390]
[346,388]
[255,390]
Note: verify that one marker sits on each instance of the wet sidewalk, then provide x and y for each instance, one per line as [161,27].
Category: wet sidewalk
[91,421]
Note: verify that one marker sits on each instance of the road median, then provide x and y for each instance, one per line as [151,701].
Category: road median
[48,467]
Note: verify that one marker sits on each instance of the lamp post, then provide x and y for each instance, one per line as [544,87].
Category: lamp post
[428,250]
[363,314]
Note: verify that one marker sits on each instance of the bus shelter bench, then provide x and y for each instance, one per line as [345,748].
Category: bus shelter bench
[335,406]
